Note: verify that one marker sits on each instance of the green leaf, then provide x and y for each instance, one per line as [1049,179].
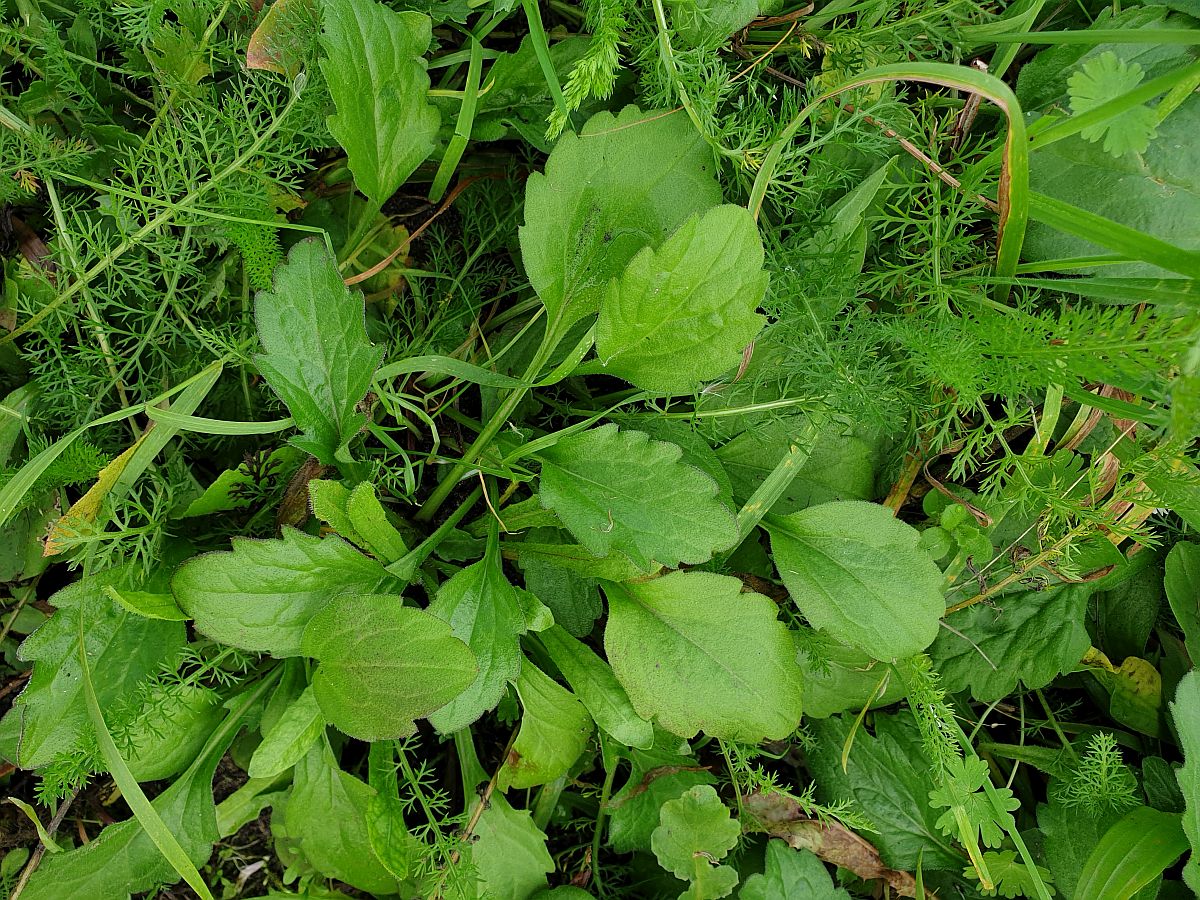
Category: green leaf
[1027,638]
[695,831]
[325,820]
[838,678]
[147,605]
[378,82]
[856,571]
[666,636]
[555,728]
[289,739]
[1069,835]
[358,516]
[260,595]
[961,794]
[618,490]
[681,314]
[317,356]
[510,855]
[655,776]
[1105,78]
[484,611]
[791,873]
[597,687]
[889,779]
[624,183]
[573,599]
[383,665]
[1132,853]
[1186,713]
[390,838]
[1182,584]
[51,712]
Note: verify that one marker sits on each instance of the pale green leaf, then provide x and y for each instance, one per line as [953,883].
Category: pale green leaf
[790,874]
[261,594]
[619,490]
[624,183]
[484,611]
[325,820]
[1186,712]
[555,728]
[696,830]
[317,356]
[146,604]
[597,687]
[1029,638]
[358,516]
[510,855]
[289,739]
[840,678]
[390,838]
[856,571]
[383,665]
[667,636]
[681,314]
[1010,875]
[378,82]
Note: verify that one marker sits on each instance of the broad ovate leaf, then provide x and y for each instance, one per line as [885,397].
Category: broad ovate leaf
[510,854]
[316,357]
[856,571]
[667,637]
[383,665]
[260,595]
[1185,710]
[619,490]
[789,873]
[684,312]
[555,728]
[625,182]
[378,80]
[483,610]
[1029,638]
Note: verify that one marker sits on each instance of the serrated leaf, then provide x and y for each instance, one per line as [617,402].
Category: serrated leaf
[484,611]
[1010,875]
[682,313]
[555,729]
[856,571]
[695,831]
[325,819]
[1105,78]
[260,595]
[317,356]
[378,82]
[618,490]
[624,183]
[1186,712]
[50,714]
[791,873]
[597,687]
[510,855]
[1027,638]
[383,665]
[289,739]
[666,636]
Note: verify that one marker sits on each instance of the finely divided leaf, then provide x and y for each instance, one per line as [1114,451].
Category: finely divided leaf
[260,595]
[624,183]
[378,81]
[683,313]
[1027,638]
[483,610]
[856,571]
[619,490]
[317,356]
[383,665]
[667,637]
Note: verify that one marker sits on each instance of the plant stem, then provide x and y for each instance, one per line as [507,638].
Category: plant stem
[781,477]
[406,565]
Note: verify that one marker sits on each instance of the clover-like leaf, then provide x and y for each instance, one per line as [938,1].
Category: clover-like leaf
[383,665]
